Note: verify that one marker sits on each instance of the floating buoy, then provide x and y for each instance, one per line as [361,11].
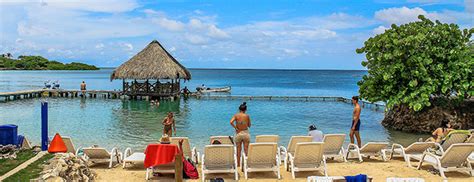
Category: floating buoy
[57,145]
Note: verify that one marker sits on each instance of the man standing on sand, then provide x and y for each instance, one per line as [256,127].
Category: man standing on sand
[83,88]
[355,121]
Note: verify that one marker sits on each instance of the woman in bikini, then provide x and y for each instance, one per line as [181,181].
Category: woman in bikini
[241,123]
[441,132]
[168,125]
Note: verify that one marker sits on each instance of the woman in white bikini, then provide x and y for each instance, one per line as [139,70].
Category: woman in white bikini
[241,123]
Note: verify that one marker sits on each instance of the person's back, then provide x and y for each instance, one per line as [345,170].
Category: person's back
[317,135]
[242,121]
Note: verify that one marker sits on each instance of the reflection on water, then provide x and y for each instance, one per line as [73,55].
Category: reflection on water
[123,123]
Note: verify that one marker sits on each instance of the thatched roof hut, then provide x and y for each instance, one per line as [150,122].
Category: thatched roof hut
[153,62]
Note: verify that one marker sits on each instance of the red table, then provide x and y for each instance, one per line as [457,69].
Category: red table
[158,154]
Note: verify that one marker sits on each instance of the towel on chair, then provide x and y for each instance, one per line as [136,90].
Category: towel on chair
[357,178]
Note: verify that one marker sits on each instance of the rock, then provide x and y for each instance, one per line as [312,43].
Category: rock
[461,116]
[67,167]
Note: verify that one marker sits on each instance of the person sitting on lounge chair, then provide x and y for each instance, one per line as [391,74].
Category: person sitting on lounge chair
[315,133]
[441,132]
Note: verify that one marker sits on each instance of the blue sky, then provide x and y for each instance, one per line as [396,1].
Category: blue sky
[270,34]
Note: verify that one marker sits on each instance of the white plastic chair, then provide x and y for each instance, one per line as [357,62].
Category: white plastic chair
[219,159]
[291,147]
[100,155]
[308,156]
[262,157]
[454,159]
[413,151]
[267,139]
[333,146]
[368,150]
[393,179]
[132,157]
[192,154]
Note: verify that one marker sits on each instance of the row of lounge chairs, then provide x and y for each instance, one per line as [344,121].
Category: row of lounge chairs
[301,154]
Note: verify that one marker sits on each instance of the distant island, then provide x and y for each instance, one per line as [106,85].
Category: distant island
[39,63]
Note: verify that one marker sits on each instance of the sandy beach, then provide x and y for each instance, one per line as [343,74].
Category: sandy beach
[376,169]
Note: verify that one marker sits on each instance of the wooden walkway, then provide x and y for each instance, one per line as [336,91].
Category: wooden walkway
[109,94]
[25,94]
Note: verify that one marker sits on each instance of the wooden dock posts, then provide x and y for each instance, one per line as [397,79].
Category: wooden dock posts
[26,94]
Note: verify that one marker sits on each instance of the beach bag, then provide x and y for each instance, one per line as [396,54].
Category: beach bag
[189,170]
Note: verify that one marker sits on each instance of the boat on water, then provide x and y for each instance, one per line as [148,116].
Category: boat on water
[217,89]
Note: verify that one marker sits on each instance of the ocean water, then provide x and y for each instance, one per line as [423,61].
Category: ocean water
[124,123]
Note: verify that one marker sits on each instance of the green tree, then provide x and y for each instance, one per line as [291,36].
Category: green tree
[412,63]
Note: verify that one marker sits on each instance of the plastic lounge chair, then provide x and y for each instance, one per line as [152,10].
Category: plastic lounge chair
[267,139]
[454,159]
[70,145]
[291,147]
[163,168]
[392,179]
[413,151]
[187,151]
[26,144]
[262,157]
[223,139]
[333,146]
[100,155]
[132,157]
[456,136]
[308,156]
[219,159]
[368,150]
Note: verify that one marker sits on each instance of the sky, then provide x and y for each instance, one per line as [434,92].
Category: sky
[266,34]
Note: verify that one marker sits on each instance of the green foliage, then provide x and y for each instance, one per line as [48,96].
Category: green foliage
[411,63]
[32,171]
[9,164]
[40,63]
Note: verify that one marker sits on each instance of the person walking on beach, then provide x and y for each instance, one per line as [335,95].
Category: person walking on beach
[241,123]
[355,121]
[83,88]
[169,125]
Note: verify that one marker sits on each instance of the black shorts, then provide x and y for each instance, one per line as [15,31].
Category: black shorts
[357,126]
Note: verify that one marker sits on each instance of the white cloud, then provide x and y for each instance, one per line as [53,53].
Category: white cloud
[127,46]
[215,32]
[168,24]
[105,6]
[404,15]
[196,39]
[315,34]
[380,29]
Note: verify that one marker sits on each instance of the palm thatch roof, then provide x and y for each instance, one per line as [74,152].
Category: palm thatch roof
[153,62]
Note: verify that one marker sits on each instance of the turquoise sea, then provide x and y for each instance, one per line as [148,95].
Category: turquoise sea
[124,123]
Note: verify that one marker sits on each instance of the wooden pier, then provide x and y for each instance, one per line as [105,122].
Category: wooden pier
[109,94]
[25,94]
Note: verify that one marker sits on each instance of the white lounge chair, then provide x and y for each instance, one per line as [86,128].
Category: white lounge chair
[262,157]
[223,139]
[219,159]
[392,179]
[267,139]
[26,144]
[333,146]
[453,139]
[132,157]
[100,155]
[454,159]
[413,151]
[308,156]
[320,179]
[163,168]
[368,150]
[192,154]
[291,147]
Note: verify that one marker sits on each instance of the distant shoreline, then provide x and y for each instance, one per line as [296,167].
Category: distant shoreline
[260,69]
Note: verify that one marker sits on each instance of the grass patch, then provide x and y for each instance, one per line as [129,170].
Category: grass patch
[9,164]
[32,171]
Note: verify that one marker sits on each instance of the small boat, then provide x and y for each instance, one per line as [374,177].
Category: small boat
[219,89]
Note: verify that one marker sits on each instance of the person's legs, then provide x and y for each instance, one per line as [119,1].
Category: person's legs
[239,149]
[351,134]
[357,134]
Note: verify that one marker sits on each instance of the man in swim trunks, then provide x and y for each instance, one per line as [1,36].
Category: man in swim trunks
[169,125]
[241,123]
[83,88]
[355,121]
